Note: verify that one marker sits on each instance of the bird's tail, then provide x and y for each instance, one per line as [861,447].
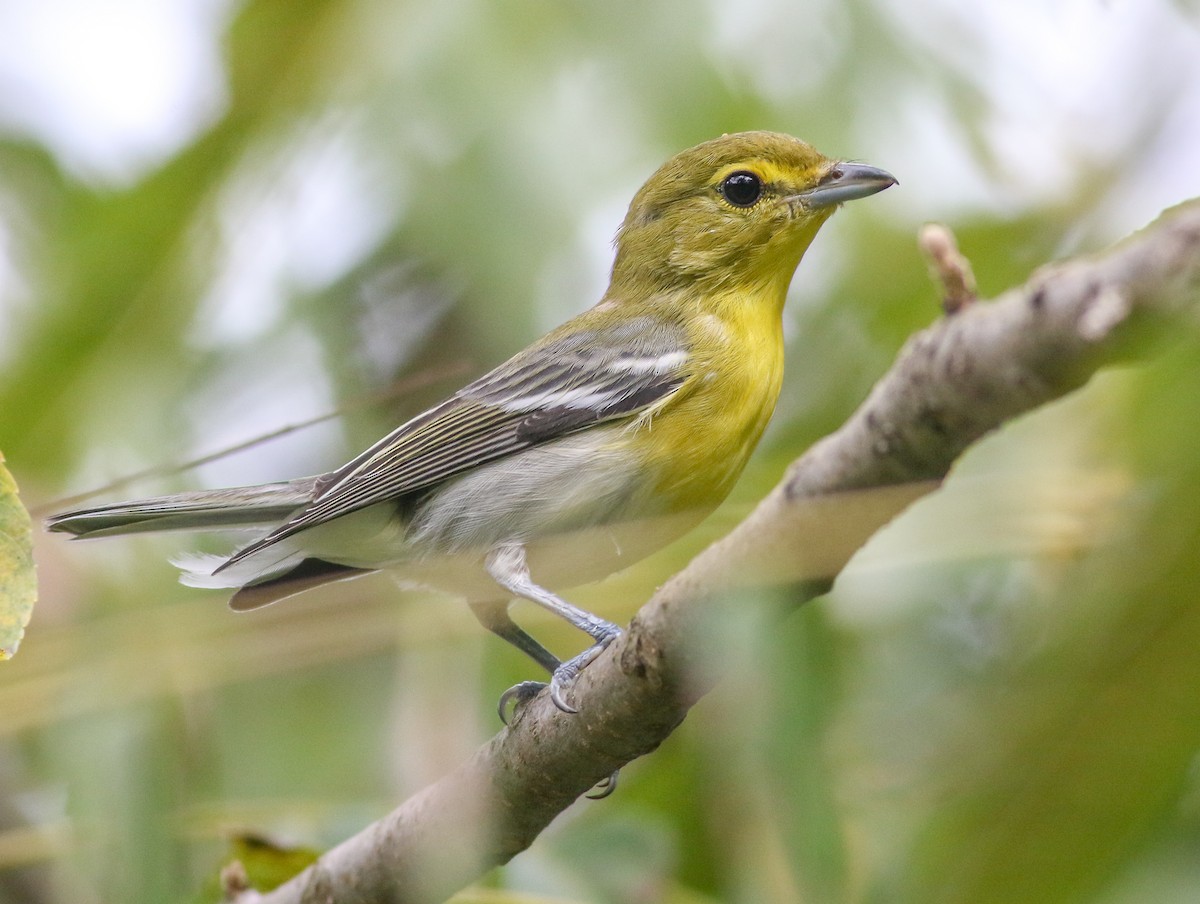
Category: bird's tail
[203,510]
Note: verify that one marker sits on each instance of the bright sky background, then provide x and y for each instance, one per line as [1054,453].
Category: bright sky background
[131,81]
[114,87]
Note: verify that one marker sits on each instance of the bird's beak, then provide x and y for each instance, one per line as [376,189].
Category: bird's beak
[846,182]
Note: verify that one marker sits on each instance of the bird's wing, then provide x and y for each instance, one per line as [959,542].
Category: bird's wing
[569,381]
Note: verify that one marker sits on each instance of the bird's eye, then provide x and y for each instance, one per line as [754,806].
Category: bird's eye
[741,189]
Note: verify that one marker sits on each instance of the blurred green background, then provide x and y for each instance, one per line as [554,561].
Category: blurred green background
[218,219]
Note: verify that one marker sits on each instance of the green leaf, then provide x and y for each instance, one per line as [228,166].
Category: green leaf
[18,581]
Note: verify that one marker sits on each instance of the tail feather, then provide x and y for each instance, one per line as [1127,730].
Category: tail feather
[271,574]
[206,509]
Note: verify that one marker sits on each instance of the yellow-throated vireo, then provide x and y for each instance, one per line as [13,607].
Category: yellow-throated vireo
[601,442]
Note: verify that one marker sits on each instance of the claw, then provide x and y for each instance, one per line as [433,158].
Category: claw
[558,685]
[564,676]
[604,787]
[519,695]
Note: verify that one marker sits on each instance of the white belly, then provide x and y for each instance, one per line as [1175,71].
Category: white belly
[580,510]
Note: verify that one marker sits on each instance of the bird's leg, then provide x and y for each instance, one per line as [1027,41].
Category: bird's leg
[507,566]
[494,616]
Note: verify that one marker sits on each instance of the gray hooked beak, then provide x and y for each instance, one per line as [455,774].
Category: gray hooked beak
[847,182]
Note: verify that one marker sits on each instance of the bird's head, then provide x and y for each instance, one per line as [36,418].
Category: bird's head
[739,208]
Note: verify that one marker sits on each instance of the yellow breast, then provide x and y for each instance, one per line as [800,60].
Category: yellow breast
[700,441]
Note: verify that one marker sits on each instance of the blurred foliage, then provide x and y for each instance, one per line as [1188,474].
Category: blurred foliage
[996,703]
[260,864]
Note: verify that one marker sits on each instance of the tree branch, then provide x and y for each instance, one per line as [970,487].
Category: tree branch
[981,365]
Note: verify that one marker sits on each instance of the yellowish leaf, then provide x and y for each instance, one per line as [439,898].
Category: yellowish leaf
[18,581]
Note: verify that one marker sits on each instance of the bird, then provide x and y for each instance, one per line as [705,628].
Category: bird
[601,442]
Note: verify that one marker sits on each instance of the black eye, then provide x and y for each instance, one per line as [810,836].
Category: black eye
[741,189]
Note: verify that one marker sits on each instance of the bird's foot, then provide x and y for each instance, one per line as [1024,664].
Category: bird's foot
[566,674]
[560,682]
